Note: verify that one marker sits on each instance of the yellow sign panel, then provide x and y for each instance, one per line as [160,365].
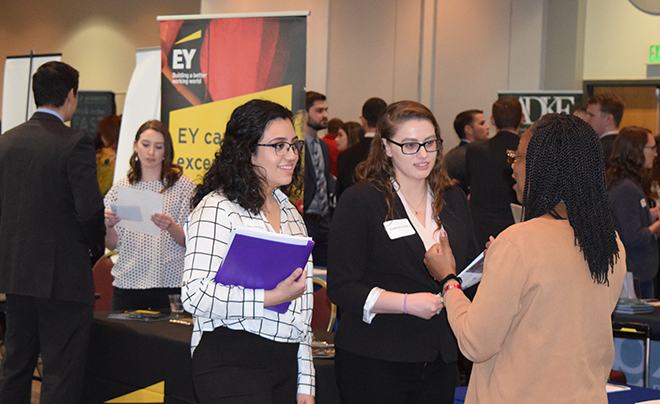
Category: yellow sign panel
[197,131]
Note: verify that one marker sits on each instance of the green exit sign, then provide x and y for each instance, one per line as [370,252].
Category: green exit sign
[654,54]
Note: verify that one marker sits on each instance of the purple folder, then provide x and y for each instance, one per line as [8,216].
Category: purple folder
[261,260]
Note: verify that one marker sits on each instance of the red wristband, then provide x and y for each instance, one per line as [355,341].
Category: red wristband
[451,286]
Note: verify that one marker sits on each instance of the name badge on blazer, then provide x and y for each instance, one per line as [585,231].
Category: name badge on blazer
[398,228]
[642,202]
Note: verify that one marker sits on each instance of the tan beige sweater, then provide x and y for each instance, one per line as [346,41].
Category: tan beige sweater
[539,328]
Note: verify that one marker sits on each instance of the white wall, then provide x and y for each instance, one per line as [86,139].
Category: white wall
[451,55]
[617,39]
[99,38]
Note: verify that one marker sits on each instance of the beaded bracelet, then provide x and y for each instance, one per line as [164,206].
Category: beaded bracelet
[451,286]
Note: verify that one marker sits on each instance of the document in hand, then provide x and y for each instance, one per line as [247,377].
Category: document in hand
[260,260]
[472,274]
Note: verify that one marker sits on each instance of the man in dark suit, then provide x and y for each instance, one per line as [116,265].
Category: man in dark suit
[319,183]
[489,173]
[51,220]
[470,126]
[348,160]
[604,114]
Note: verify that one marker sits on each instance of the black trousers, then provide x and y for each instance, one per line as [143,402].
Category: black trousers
[58,329]
[238,367]
[366,380]
[135,299]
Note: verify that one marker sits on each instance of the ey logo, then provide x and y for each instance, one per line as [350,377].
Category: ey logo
[182,58]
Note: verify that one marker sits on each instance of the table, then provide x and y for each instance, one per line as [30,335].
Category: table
[126,357]
[652,319]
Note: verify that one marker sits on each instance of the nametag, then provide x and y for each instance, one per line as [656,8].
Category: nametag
[256,226]
[642,202]
[398,228]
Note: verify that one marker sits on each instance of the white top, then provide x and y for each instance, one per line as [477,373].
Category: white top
[144,261]
[215,305]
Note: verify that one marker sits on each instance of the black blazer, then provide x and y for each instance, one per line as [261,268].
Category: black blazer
[361,256]
[347,161]
[607,142]
[51,211]
[455,165]
[491,185]
[310,175]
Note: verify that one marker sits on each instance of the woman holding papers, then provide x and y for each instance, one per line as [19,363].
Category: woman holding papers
[243,351]
[393,342]
[149,268]
[629,188]
[539,329]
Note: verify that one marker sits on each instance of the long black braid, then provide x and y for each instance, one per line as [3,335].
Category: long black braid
[565,164]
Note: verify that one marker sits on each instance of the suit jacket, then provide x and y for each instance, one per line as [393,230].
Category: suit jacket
[633,218]
[607,142]
[362,256]
[491,185]
[51,211]
[348,161]
[310,175]
[455,165]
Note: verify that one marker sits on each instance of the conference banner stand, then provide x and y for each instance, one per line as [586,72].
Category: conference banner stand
[213,63]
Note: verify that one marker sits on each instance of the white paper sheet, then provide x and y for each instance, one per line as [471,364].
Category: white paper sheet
[135,208]
[613,388]
[472,274]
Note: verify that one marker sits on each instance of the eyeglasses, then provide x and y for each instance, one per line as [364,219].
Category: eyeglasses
[282,148]
[512,156]
[654,147]
[413,147]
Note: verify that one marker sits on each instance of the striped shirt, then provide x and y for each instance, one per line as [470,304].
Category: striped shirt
[235,307]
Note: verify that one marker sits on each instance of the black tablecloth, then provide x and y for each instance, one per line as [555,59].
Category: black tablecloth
[126,356]
[652,319]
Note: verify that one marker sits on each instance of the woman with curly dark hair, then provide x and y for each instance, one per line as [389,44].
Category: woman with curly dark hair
[539,328]
[393,342]
[242,351]
[148,268]
[629,183]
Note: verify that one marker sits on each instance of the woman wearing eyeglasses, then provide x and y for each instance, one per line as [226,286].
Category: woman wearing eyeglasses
[629,182]
[393,342]
[242,352]
[539,328]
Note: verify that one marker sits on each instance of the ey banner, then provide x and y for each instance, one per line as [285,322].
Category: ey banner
[213,64]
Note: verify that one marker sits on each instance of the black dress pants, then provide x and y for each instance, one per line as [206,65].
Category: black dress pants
[58,329]
[238,367]
[367,380]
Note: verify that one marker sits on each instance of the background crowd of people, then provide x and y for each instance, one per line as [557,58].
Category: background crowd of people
[393,218]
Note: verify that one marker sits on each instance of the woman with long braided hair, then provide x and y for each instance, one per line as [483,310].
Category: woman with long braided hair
[539,328]
[629,189]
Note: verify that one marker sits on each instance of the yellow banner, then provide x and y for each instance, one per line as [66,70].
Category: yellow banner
[197,131]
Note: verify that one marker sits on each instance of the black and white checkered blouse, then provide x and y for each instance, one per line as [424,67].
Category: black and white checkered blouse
[235,307]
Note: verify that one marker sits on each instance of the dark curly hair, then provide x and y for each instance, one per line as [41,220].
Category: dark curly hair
[378,167]
[565,164]
[169,172]
[627,159]
[232,171]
